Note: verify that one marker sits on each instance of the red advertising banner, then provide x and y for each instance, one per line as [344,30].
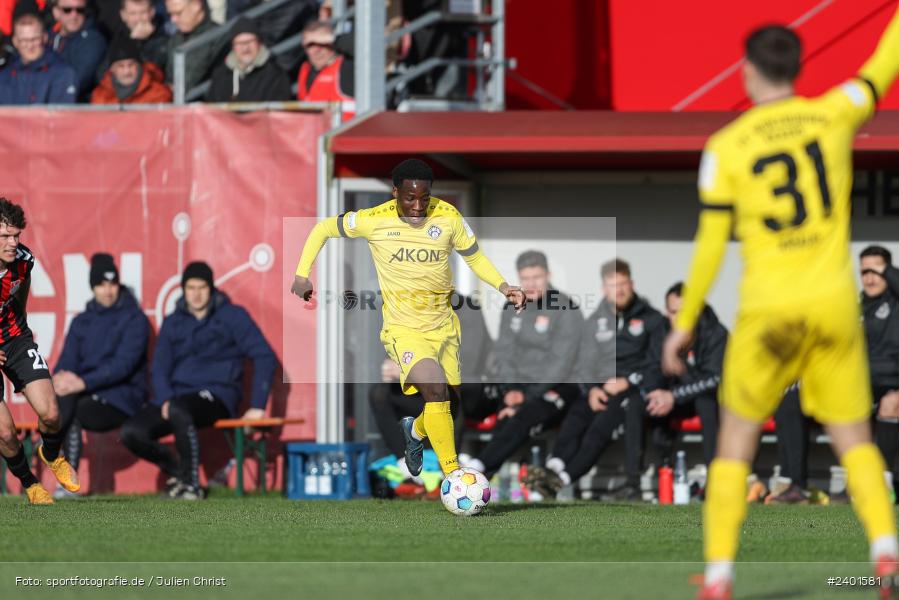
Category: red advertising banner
[158,189]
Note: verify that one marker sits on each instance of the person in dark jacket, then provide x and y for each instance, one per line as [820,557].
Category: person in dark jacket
[128,80]
[36,75]
[136,19]
[191,19]
[197,377]
[79,43]
[696,391]
[249,73]
[536,364]
[101,375]
[880,312]
[615,364]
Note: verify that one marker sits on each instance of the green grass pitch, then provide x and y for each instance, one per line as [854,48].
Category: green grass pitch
[269,547]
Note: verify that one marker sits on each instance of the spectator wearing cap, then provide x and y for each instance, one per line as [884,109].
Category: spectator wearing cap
[249,73]
[128,80]
[101,376]
[37,75]
[191,19]
[197,378]
[79,43]
[326,75]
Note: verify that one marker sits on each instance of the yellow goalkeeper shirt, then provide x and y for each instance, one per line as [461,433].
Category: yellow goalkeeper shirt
[412,262]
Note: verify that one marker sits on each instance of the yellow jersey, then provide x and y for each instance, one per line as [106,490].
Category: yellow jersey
[412,262]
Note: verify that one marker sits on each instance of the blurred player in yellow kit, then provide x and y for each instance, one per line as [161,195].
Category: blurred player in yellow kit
[411,238]
[779,178]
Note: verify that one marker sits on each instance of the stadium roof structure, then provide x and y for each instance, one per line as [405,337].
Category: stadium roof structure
[465,143]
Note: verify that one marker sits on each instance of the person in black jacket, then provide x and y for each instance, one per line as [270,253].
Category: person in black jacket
[101,375]
[249,73]
[880,312]
[615,363]
[695,392]
[540,346]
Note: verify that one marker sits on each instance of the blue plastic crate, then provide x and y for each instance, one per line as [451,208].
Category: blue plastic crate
[345,477]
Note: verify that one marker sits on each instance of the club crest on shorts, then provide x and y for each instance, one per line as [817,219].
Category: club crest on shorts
[434,232]
[635,327]
[407,357]
[541,324]
[603,332]
[883,312]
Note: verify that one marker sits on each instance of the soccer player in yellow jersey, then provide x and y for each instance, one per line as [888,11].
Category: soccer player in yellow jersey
[411,238]
[779,178]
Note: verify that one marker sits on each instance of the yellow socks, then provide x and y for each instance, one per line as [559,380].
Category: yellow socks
[724,509]
[866,486]
[436,422]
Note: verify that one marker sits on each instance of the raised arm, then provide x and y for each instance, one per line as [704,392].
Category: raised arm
[883,66]
[331,227]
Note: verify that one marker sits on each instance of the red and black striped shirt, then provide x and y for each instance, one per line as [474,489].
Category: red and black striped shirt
[13,320]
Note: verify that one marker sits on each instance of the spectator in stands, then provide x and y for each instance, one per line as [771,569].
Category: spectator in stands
[37,75]
[79,43]
[616,361]
[326,76]
[539,348]
[249,73]
[389,404]
[880,311]
[139,18]
[197,377]
[101,375]
[128,80]
[694,393]
[192,20]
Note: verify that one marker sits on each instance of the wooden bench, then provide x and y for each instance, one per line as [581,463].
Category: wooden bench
[235,434]
[240,442]
[28,428]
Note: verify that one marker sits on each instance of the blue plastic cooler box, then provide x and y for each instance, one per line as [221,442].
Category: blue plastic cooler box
[326,471]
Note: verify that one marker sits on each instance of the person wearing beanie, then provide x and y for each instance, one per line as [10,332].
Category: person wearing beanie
[197,379]
[101,374]
[249,73]
[129,80]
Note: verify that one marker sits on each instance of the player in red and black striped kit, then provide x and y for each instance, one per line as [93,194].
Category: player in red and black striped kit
[23,364]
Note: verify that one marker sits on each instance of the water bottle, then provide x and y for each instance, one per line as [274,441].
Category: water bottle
[310,481]
[681,486]
[325,480]
[666,481]
[515,491]
[535,456]
[505,483]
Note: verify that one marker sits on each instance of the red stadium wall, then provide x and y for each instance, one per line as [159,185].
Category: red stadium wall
[664,54]
[157,190]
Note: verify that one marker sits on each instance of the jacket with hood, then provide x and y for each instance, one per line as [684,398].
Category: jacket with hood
[881,318]
[151,89]
[619,344]
[48,80]
[107,348]
[536,349]
[261,81]
[209,354]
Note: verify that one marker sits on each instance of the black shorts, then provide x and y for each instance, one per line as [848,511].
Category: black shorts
[24,363]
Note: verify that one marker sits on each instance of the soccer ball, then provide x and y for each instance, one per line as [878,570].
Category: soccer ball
[465,492]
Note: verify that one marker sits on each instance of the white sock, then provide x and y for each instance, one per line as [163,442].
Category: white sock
[885,545]
[555,464]
[719,571]
[401,463]
[415,435]
[475,464]
[565,477]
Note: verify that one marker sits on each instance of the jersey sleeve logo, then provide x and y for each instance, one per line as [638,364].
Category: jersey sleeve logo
[854,92]
[467,228]
[351,220]
[434,232]
[23,255]
[708,170]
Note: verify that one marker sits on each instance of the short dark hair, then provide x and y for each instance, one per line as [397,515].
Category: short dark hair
[677,289]
[776,52]
[412,170]
[880,251]
[531,258]
[11,214]
[615,266]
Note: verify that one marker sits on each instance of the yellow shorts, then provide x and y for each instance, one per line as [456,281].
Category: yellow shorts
[822,346]
[406,347]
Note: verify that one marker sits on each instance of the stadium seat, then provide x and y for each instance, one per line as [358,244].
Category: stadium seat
[481,425]
[240,442]
[694,425]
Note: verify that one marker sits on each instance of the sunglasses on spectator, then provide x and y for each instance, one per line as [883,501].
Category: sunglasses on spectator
[70,9]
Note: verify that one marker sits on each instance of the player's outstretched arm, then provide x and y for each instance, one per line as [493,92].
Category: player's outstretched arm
[487,273]
[883,66]
[329,228]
